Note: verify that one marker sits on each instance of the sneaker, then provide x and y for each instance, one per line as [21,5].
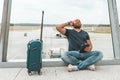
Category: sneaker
[92,67]
[72,68]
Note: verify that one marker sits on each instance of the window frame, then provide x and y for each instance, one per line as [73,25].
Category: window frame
[114,22]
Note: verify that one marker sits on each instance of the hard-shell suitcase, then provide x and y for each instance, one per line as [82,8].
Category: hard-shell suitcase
[34,53]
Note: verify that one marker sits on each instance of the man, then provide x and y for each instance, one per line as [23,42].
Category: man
[79,55]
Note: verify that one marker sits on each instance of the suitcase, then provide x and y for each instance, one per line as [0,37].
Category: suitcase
[34,53]
[34,59]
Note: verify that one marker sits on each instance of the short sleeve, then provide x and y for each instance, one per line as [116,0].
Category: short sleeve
[66,33]
[87,36]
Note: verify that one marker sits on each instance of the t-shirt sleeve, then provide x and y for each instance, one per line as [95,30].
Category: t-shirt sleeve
[66,33]
[87,36]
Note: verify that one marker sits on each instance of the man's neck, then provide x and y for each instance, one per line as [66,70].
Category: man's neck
[77,29]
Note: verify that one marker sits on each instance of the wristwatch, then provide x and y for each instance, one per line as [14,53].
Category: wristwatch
[68,23]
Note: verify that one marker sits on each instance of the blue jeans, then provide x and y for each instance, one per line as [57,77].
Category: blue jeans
[81,60]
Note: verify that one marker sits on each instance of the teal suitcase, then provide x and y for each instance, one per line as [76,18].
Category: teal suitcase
[34,53]
[34,58]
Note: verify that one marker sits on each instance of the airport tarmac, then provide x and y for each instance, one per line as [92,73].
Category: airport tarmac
[17,44]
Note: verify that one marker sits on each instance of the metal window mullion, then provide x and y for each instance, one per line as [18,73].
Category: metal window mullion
[5,28]
[114,27]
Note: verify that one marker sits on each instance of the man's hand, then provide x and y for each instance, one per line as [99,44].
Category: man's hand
[87,49]
[70,23]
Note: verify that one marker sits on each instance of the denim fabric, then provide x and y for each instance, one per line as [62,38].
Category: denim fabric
[81,60]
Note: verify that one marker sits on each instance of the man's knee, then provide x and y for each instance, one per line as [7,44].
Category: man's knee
[65,58]
[64,55]
[99,54]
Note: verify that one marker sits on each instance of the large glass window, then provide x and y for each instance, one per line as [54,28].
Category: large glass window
[26,19]
[1,9]
[118,8]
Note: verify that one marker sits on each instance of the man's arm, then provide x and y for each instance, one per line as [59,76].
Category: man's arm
[61,28]
[89,48]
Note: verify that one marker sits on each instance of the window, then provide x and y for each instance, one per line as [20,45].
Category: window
[118,8]
[1,9]
[26,19]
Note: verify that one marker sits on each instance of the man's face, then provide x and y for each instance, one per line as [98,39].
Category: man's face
[77,23]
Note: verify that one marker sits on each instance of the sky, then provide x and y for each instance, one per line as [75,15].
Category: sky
[59,11]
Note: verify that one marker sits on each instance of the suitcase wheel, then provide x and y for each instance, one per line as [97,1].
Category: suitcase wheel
[29,73]
[39,72]
[35,72]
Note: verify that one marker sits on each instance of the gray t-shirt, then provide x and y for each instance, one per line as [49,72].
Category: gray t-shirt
[76,39]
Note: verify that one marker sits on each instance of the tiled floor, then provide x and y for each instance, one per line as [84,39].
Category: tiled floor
[107,72]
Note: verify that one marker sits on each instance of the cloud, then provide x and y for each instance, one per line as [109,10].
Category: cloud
[57,11]
[118,8]
[1,9]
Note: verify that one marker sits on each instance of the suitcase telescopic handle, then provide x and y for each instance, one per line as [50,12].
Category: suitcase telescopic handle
[41,26]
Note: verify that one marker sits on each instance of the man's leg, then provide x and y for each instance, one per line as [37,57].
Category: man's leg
[89,59]
[81,60]
[71,57]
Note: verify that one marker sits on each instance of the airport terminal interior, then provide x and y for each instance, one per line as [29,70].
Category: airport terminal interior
[20,22]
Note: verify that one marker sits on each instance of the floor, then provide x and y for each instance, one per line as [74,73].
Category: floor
[107,72]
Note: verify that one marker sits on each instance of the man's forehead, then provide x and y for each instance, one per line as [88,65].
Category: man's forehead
[77,20]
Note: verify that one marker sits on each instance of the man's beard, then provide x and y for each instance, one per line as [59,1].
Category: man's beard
[77,27]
